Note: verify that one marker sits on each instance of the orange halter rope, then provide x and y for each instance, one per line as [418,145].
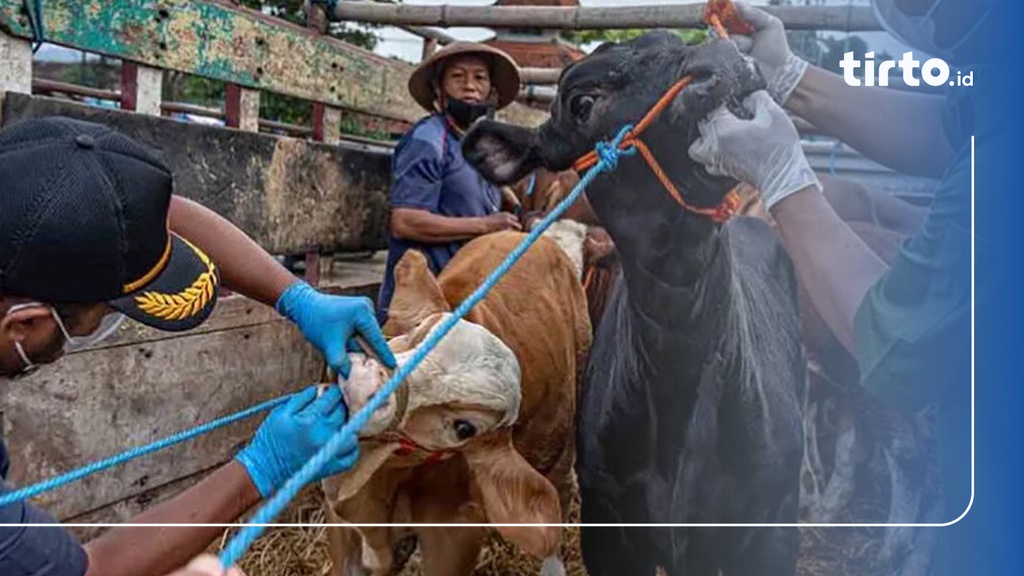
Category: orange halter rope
[720,213]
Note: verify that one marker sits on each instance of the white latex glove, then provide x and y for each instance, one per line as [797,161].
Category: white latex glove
[768,46]
[764,151]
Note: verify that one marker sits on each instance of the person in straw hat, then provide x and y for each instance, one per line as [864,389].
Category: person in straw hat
[438,201]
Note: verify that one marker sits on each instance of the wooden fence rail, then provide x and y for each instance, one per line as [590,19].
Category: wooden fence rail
[430,34]
[837,18]
[540,75]
[224,42]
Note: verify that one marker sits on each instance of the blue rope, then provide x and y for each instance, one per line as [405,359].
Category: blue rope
[241,542]
[533,182]
[69,477]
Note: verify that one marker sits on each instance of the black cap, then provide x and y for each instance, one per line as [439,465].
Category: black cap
[83,219]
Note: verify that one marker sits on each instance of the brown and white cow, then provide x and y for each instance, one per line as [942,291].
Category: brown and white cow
[482,430]
[537,195]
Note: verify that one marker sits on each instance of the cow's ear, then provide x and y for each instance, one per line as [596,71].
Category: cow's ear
[514,493]
[417,295]
[502,153]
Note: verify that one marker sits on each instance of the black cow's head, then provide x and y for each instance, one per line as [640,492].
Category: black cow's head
[616,85]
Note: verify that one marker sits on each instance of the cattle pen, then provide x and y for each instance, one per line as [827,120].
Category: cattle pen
[317,195]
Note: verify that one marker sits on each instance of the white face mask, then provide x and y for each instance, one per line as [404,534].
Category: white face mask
[919,31]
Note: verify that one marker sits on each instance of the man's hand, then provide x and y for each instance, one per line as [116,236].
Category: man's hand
[499,221]
[329,323]
[782,69]
[292,434]
[764,152]
[509,200]
[207,565]
[719,70]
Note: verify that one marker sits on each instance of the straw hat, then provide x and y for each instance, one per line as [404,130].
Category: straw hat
[504,73]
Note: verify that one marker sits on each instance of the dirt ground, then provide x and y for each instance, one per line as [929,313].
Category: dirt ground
[303,551]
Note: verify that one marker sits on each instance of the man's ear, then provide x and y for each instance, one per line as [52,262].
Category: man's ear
[16,325]
[417,295]
[514,493]
[502,153]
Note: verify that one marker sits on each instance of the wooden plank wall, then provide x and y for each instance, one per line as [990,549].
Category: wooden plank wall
[287,193]
[236,45]
[143,385]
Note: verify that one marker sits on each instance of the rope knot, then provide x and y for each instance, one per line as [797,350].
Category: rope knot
[728,208]
[609,156]
[609,152]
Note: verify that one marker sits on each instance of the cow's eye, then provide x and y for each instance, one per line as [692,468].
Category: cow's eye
[464,430]
[580,107]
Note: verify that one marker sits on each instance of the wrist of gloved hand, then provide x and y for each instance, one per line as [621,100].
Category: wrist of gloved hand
[292,434]
[782,81]
[263,476]
[791,173]
[289,304]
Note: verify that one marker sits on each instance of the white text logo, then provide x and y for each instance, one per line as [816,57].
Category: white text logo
[934,72]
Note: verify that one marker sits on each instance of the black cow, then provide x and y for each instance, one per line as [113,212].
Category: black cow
[692,407]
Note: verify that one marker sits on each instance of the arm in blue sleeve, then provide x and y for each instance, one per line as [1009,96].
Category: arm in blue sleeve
[418,172]
[914,326]
[37,550]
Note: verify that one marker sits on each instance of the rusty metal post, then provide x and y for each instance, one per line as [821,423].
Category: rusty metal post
[242,108]
[129,85]
[326,119]
[318,122]
[326,123]
[141,88]
[313,265]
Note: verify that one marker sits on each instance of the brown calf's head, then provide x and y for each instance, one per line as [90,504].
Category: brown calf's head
[461,401]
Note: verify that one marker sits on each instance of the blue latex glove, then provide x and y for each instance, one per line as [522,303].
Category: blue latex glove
[292,434]
[329,322]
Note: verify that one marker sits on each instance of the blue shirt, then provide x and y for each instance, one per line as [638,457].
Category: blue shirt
[35,551]
[431,174]
[914,325]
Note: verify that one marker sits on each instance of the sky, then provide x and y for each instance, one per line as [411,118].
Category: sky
[397,42]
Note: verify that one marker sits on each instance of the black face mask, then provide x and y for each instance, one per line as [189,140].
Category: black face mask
[465,113]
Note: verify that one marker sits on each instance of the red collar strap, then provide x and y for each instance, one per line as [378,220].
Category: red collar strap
[721,16]
[408,446]
[720,213]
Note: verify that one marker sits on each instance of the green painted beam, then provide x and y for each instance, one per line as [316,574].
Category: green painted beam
[232,44]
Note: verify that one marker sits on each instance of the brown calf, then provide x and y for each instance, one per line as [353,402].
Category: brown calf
[484,433]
